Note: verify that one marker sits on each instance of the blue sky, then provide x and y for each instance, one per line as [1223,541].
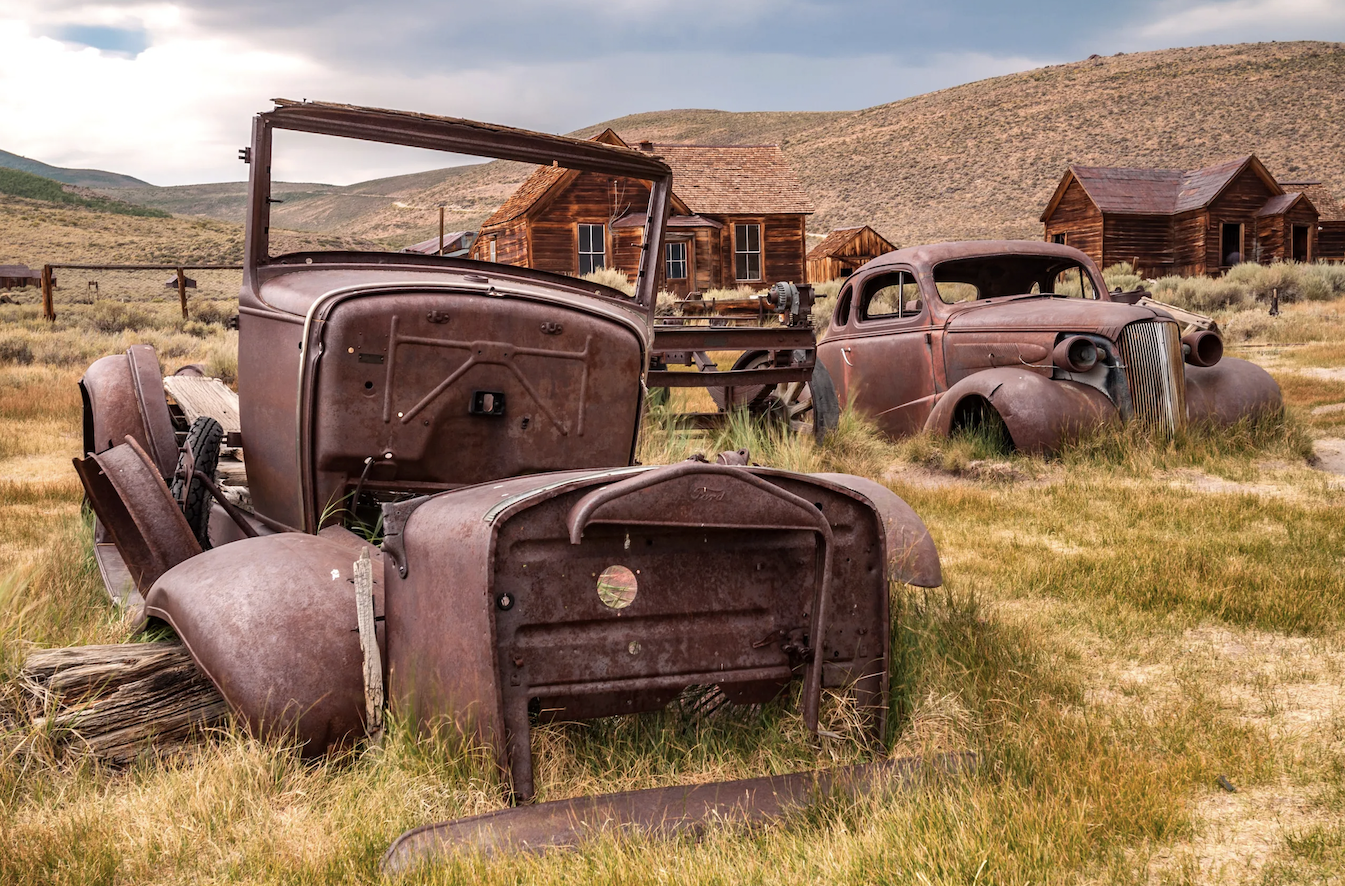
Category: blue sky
[164,91]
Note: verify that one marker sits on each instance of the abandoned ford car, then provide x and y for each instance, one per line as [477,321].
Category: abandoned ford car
[942,337]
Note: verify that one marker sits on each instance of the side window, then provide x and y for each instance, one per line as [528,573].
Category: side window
[592,248]
[890,295]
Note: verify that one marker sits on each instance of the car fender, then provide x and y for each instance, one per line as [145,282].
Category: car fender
[1230,390]
[123,396]
[911,555]
[271,621]
[1040,413]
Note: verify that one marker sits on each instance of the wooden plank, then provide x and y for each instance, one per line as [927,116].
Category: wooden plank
[373,660]
[120,701]
[205,396]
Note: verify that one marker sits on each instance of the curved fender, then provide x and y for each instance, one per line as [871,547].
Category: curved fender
[1041,413]
[123,396]
[1230,390]
[911,555]
[271,621]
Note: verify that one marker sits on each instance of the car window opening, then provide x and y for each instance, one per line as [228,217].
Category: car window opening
[974,279]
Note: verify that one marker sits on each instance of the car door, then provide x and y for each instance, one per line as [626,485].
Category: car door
[887,360]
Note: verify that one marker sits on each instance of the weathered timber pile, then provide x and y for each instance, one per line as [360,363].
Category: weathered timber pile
[116,702]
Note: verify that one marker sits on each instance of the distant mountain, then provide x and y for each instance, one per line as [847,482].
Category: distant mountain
[84,178]
[977,160]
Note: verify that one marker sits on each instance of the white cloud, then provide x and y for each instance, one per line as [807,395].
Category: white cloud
[1249,19]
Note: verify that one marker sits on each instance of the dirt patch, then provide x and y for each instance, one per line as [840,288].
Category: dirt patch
[975,474]
[1199,481]
[1330,453]
[1329,373]
[1329,409]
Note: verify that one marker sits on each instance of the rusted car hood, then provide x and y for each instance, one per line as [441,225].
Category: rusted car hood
[1030,313]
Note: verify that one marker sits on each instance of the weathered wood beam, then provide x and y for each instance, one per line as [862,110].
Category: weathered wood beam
[117,702]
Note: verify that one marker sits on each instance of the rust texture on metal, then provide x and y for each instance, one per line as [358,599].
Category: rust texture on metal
[272,622]
[659,812]
[730,579]
[982,332]
[123,395]
[133,503]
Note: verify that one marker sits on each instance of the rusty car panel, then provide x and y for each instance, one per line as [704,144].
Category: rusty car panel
[662,812]
[730,581]
[270,620]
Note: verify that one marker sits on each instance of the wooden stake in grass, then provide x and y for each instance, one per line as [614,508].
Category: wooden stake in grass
[373,661]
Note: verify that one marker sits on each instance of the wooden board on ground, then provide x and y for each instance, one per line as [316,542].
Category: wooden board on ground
[204,396]
[117,702]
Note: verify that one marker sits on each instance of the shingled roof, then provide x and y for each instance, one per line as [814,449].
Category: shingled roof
[713,179]
[833,241]
[1129,191]
[1325,202]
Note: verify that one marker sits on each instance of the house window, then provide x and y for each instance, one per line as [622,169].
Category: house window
[677,261]
[1058,239]
[1230,245]
[747,252]
[492,249]
[592,248]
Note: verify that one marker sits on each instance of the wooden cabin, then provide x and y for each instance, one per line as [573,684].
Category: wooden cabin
[19,276]
[737,218]
[1168,221]
[844,251]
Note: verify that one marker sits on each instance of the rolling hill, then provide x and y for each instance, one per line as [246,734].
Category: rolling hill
[977,160]
[84,178]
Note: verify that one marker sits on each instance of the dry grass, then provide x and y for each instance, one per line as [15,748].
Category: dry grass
[1086,644]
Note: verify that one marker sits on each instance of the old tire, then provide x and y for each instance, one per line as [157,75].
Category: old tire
[826,405]
[203,442]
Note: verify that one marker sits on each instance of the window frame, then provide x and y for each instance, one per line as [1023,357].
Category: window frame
[869,290]
[759,252]
[581,253]
[684,260]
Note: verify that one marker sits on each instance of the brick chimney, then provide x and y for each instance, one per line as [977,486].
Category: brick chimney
[647,147]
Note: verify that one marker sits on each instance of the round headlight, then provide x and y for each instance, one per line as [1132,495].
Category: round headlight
[1075,354]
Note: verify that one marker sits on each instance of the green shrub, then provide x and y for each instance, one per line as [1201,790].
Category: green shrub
[15,348]
[110,316]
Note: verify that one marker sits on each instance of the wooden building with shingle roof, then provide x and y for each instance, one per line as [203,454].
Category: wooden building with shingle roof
[738,215]
[1330,217]
[844,251]
[1172,221]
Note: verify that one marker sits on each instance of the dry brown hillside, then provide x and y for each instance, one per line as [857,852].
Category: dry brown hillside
[976,160]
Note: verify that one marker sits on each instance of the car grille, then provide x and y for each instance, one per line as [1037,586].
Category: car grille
[1151,352]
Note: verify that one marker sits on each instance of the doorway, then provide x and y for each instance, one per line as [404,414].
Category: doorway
[1300,244]
[1230,245]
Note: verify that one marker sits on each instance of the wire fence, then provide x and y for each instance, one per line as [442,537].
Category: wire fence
[187,285]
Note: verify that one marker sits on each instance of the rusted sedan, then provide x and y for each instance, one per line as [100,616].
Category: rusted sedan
[947,336]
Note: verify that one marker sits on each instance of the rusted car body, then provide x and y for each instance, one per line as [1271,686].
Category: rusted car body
[484,418]
[945,336]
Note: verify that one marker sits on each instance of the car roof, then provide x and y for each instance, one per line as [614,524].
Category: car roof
[932,254]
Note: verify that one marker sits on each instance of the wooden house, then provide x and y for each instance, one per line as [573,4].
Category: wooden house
[737,218]
[844,251]
[19,276]
[1168,221]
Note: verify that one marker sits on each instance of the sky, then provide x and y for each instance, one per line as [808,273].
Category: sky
[165,91]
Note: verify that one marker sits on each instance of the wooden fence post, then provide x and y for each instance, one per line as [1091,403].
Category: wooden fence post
[48,305]
[182,291]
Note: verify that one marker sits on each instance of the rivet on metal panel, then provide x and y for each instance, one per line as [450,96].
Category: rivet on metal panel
[504,602]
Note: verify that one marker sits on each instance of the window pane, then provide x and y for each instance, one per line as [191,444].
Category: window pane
[677,261]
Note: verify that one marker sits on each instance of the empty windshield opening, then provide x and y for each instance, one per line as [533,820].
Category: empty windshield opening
[971,279]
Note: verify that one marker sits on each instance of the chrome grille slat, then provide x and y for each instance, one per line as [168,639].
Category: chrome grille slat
[1151,352]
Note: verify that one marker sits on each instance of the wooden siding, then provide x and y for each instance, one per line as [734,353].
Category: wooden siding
[1331,241]
[1143,240]
[1188,243]
[1079,220]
